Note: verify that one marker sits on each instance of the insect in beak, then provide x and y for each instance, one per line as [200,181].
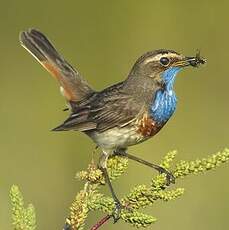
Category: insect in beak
[197,60]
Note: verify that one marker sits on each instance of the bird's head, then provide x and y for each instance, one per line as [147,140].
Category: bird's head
[164,64]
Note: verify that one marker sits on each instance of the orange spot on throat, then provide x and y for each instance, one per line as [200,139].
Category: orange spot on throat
[147,126]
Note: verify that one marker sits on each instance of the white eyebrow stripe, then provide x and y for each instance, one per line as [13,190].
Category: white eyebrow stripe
[159,56]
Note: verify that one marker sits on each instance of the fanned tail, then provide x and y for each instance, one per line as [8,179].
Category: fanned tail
[73,86]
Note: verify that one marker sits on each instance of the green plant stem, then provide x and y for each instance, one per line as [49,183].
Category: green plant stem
[142,196]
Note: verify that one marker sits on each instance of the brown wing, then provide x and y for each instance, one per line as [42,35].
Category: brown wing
[119,113]
[108,109]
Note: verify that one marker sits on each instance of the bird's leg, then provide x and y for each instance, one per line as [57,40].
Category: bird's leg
[103,167]
[169,176]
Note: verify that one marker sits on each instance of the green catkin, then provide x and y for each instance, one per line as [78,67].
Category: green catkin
[90,199]
[22,218]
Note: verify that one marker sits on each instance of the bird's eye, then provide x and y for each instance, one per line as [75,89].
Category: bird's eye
[164,61]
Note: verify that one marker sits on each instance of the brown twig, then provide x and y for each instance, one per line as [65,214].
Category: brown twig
[101,222]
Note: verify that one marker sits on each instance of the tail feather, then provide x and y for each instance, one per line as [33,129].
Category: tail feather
[73,86]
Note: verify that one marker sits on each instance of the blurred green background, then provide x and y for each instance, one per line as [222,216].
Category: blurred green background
[103,39]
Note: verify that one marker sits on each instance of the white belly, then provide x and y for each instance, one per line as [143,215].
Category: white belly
[117,138]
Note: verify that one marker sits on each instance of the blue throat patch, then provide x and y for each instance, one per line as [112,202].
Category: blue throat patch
[165,100]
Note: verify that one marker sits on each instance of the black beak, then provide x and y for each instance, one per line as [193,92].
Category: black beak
[191,61]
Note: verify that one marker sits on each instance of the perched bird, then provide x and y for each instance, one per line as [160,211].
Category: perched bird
[123,114]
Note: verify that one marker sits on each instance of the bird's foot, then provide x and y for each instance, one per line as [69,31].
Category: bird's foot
[117,211]
[170,179]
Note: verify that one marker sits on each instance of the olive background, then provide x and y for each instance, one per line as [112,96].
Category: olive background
[102,39]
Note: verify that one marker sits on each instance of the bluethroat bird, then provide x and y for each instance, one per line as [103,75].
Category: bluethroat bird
[123,114]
